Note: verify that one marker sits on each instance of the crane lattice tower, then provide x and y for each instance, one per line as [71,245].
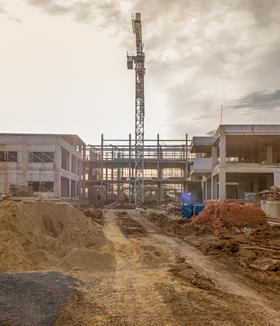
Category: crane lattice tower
[138,63]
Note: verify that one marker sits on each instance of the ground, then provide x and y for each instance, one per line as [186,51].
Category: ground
[162,279]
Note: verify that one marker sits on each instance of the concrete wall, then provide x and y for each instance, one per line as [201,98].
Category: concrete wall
[23,174]
[233,154]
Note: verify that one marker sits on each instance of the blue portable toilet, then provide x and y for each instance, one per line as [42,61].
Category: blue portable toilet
[187,210]
[197,209]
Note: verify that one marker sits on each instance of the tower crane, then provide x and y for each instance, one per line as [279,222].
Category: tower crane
[138,63]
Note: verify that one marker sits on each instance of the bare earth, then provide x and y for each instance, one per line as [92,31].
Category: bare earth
[163,280]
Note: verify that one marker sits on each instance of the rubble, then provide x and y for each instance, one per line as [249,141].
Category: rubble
[266,264]
[219,215]
[96,214]
[272,194]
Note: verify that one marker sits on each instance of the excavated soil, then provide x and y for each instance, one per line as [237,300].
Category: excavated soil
[163,280]
[156,275]
[50,236]
[255,253]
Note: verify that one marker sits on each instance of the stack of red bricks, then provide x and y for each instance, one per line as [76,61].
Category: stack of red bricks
[220,214]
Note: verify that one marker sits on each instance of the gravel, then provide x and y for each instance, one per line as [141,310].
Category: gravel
[28,299]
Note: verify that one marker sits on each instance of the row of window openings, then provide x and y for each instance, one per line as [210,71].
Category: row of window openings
[36,157]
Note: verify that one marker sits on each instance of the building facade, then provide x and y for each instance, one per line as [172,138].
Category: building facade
[40,164]
[237,160]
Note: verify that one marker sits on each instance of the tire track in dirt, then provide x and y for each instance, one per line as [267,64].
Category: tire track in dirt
[223,279]
[147,289]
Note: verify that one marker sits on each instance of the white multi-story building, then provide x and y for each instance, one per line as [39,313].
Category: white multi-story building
[40,164]
[236,160]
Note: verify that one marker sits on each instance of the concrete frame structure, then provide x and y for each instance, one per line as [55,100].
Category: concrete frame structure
[109,169]
[238,159]
[40,164]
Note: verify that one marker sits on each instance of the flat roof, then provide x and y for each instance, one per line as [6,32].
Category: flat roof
[201,144]
[71,139]
[247,129]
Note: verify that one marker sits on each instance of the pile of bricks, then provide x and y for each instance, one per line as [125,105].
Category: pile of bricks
[220,214]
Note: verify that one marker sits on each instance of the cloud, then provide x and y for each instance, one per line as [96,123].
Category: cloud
[200,54]
[260,100]
[2,8]
[103,13]
[3,11]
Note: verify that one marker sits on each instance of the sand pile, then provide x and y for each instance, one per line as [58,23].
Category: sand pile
[48,235]
[218,215]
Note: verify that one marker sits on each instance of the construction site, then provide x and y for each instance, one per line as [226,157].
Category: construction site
[141,231]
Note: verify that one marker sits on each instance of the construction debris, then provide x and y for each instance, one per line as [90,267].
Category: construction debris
[129,227]
[272,194]
[96,214]
[219,215]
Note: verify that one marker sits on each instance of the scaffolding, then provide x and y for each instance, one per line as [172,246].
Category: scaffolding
[109,169]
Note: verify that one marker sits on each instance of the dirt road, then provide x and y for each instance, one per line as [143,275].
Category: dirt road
[161,280]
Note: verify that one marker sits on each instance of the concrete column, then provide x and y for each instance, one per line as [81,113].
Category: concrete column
[212,188]
[118,177]
[214,156]
[222,146]
[222,184]
[24,166]
[57,182]
[256,184]
[276,180]
[214,185]
[269,153]
[209,186]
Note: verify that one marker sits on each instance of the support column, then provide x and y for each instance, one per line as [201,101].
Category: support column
[222,147]
[222,184]
[269,153]
[129,172]
[256,184]
[118,177]
[214,156]
[276,180]
[212,187]
[101,169]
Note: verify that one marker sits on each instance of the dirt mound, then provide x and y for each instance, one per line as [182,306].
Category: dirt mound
[222,215]
[50,235]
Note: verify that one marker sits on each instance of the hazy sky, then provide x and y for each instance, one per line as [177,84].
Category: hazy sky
[63,65]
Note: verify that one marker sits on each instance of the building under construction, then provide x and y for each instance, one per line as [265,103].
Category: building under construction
[109,169]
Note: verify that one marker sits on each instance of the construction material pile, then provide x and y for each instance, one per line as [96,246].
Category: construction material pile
[120,204]
[50,236]
[222,215]
[272,194]
[96,214]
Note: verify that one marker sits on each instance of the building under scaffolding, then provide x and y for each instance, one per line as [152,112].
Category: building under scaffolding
[109,169]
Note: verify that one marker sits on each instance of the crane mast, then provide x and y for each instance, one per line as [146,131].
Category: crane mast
[138,63]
